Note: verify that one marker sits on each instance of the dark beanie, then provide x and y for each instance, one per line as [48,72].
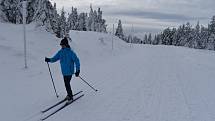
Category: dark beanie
[64,41]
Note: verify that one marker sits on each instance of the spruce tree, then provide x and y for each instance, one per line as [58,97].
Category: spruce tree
[145,40]
[99,18]
[55,20]
[211,42]
[62,25]
[12,10]
[196,36]
[119,30]
[149,41]
[90,20]
[3,17]
[211,26]
[82,22]
[45,14]
[73,19]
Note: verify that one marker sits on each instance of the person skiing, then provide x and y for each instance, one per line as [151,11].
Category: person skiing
[68,59]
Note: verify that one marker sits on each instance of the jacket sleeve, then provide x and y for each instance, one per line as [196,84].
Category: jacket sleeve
[76,60]
[55,58]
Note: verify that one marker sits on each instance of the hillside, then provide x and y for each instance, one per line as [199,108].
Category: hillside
[136,83]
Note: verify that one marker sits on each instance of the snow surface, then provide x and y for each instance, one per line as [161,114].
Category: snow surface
[135,83]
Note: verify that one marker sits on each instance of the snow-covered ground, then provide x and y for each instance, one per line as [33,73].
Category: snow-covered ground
[135,83]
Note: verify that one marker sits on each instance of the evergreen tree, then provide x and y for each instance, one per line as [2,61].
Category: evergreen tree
[211,42]
[178,35]
[90,20]
[119,30]
[3,17]
[55,20]
[12,10]
[211,26]
[188,36]
[204,36]
[149,41]
[145,40]
[103,26]
[196,37]
[95,21]
[62,25]
[182,36]
[167,37]
[82,22]
[73,19]
[211,39]
[156,40]
[45,14]
[99,19]
[129,39]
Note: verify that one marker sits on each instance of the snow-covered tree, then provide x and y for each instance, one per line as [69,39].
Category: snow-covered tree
[12,10]
[99,19]
[45,14]
[204,35]
[145,40]
[211,42]
[3,17]
[211,26]
[196,37]
[156,40]
[94,22]
[82,22]
[167,36]
[188,35]
[90,20]
[73,19]
[62,25]
[55,19]
[119,30]
[149,41]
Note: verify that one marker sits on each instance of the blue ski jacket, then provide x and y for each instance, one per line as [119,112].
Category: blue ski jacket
[67,61]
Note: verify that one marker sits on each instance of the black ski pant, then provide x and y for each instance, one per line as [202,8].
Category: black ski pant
[67,80]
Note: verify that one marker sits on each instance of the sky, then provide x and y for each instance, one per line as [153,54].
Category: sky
[147,16]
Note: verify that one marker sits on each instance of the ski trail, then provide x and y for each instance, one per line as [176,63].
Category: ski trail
[192,89]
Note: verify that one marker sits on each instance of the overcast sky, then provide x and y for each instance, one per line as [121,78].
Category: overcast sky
[147,15]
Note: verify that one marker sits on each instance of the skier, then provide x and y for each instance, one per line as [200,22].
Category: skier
[68,59]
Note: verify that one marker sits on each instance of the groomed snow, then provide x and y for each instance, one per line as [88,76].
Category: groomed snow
[135,82]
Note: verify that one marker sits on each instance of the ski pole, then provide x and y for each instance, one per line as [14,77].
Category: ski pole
[52,80]
[88,84]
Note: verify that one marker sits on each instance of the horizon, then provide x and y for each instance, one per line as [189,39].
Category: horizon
[145,16]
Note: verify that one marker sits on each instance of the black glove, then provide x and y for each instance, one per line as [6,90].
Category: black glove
[77,73]
[47,59]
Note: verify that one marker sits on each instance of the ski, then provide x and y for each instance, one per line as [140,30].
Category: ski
[66,104]
[43,111]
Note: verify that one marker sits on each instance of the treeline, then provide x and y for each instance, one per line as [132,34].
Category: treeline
[43,13]
[198,37]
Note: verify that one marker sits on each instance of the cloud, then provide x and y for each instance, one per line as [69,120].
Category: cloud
[156,14]
[174,17]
